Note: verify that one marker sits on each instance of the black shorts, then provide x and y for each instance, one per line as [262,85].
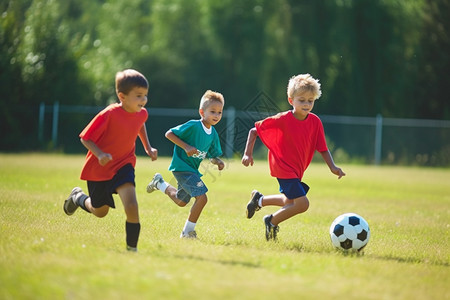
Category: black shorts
[101,192]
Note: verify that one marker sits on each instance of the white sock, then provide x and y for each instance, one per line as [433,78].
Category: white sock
[162,186]
[260,201]
[188,227]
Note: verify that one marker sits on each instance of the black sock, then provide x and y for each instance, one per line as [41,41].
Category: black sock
[132,231]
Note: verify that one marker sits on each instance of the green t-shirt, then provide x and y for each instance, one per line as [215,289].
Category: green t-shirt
[197,135]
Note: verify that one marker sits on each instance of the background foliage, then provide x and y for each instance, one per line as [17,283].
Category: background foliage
[384,56]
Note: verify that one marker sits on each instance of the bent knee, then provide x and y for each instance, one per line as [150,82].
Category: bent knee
[302,204]
[306,205]
[181,203]
[202,199]
[101,212]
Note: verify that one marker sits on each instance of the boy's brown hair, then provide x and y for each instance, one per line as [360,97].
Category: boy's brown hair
[128,79]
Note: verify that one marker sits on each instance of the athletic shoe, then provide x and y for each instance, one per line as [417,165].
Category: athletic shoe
[70,206]
[190,235]
[271,231]
[131,249]
[152,186]
[252,205]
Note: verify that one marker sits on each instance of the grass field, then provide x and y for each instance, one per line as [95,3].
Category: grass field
[45,254]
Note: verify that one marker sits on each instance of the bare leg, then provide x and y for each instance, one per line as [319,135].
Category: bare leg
[127,193]
[172,193]
[292,208]
[274,200]
[197,207]
[99,212]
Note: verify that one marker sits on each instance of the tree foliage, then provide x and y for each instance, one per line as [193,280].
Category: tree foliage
[383,56]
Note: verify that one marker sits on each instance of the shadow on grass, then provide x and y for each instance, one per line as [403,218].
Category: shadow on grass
[301,249]
[219,261]
[411,260]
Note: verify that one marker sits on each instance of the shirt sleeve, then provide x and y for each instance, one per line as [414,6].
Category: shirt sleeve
[269,131]
[95,128]
[181,130]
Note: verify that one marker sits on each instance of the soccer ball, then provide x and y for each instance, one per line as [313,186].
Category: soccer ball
[349,232]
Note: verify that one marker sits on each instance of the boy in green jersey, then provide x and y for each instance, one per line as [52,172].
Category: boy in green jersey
[194,141]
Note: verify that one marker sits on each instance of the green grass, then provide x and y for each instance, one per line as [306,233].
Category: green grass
[45,254]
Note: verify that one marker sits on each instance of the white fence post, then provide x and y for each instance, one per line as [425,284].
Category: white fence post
[235,135]
[55,123]
[231,115]
[378,138]
[41,122]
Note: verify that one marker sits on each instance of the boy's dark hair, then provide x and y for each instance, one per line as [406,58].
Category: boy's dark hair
[128,79]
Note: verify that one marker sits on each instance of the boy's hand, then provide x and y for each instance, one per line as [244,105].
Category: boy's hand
[190,150]
[338,171]
[247,160]
[104,158]
[153,153]
[217,161]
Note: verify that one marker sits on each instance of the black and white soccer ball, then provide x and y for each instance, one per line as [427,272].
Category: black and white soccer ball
[350,232]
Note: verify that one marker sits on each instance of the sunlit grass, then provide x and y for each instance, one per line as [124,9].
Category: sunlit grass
[48,255]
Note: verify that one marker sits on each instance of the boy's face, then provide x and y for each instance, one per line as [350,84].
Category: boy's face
[135,100]
[302,103]
[212,114]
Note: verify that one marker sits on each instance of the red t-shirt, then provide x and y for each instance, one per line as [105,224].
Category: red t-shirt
[114,131]
[291,143]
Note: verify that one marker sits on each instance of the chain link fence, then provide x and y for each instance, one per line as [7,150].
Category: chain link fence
[366,140]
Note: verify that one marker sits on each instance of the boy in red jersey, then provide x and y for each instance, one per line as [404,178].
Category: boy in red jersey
[292,137]
[109,168]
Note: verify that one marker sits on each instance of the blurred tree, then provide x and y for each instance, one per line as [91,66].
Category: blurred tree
[39,67]
[45,52]
[368,54]
[430,89]
[237,39]
[382,56]
[177,49]
[11,83]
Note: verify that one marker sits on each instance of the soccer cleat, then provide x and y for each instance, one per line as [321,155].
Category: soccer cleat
[271,231]
[152,186]
[190,235]
[70,206]
[131,249]
[252,205]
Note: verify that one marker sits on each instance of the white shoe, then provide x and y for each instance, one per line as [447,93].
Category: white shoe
[70,206]
[131,249]
[152,186]
[190,235]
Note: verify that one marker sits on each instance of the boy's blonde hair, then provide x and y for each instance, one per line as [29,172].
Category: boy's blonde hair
[128,79]
[303,83]
[210,96]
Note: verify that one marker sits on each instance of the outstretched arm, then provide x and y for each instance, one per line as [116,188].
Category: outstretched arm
[326,155]
[152,152]
[103,158]
[180,143]
[247,158]
[217,161]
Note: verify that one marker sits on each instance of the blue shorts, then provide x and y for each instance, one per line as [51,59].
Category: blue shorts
[293,188]
[101,192]
[189,185]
